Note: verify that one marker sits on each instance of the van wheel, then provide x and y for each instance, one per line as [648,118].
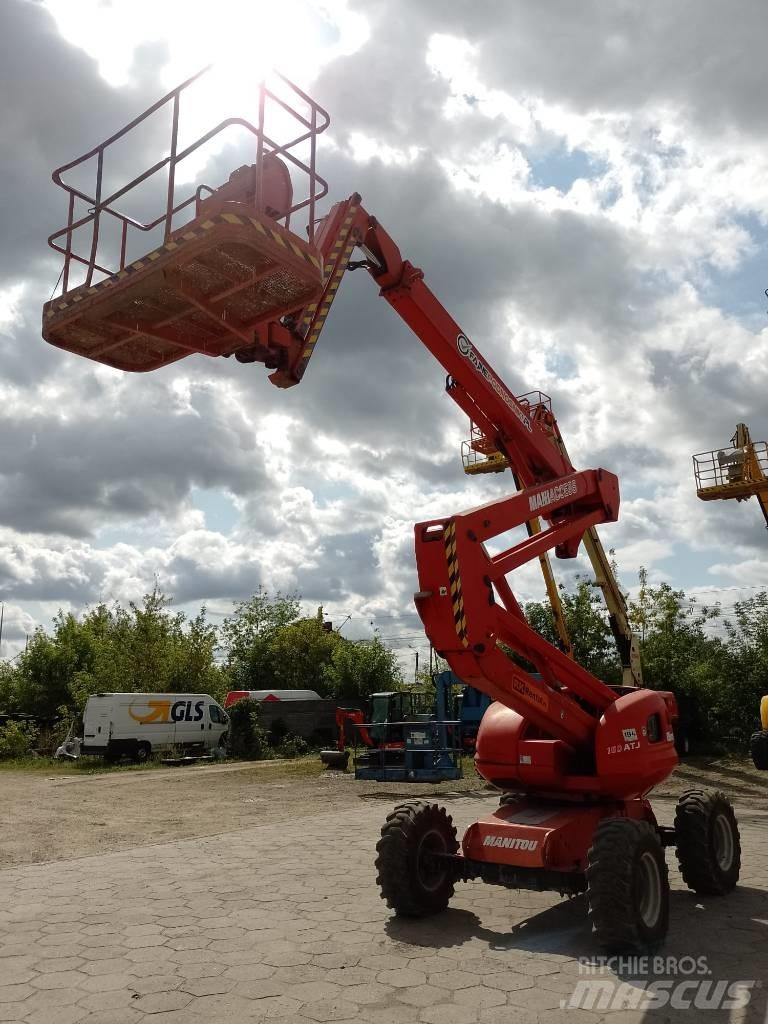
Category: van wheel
[142,753]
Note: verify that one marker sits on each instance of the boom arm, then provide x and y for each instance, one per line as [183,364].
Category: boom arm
[238,279]
[471,382]
[465,602]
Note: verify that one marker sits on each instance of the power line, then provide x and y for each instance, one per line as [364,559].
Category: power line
[749,586]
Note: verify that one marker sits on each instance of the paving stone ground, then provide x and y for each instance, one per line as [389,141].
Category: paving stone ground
[284,923]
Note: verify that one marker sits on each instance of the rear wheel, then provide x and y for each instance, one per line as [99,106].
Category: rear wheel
[758,748]
[708,843]
[142,753]
[627,886]
[414,880]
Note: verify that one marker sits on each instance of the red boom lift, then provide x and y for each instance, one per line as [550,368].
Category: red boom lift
[575,758]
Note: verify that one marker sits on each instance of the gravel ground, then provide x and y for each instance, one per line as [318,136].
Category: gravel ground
[59,813]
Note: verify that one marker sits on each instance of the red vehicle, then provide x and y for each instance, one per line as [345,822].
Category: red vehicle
[271,696]
[574,757]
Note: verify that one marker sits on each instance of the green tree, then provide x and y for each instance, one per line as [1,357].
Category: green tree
[247,738]
[9,685]
[144,648]
[300,654]
[17,739]
[246,636]
[678,654]
[357,670]
[586,618]
[747,681]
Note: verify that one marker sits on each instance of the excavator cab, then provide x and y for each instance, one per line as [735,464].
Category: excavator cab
[213,269]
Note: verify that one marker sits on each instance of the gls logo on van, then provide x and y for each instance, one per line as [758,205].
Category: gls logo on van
[163,711]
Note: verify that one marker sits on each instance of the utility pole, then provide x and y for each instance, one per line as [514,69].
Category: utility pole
[416,670]
[2,616]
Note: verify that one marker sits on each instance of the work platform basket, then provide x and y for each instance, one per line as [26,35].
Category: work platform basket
[479,454]
[202,271]
[732,472]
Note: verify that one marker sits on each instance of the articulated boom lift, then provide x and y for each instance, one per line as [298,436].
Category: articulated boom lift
[575,757]
[737,472]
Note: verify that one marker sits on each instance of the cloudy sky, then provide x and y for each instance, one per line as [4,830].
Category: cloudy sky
[585,186]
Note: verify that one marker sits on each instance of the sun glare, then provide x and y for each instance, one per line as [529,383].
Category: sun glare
[242,40]
[243,37]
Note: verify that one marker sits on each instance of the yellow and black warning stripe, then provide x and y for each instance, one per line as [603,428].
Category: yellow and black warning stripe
[279,237]
[454,578]
[317,313]
[193,232]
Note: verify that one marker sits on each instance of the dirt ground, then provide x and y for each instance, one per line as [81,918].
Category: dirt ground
[60,813]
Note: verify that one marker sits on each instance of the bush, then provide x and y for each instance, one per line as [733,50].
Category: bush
[294,746]
[246,737]
[16,739]
[278,732]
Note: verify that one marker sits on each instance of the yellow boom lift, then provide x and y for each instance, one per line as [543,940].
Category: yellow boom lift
[739,472]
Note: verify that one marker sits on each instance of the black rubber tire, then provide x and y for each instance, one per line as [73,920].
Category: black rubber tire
[412,885]
[509,799]
[142,753]
[626,868]
[338,759]
[758,748]
[708,842]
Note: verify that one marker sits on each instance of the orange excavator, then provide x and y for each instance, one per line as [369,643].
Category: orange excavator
[249,269]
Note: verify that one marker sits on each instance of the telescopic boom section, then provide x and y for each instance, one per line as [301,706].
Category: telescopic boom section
[465,601]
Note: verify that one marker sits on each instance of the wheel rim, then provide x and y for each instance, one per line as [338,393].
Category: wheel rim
[649,903]
[723,842]
[431,872]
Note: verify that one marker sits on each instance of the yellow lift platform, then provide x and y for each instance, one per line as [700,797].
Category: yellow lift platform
[739,471]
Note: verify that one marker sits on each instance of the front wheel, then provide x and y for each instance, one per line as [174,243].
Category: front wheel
[415,880]
[708,843]
[627,886]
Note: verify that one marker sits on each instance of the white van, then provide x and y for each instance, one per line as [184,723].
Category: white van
[137,725]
